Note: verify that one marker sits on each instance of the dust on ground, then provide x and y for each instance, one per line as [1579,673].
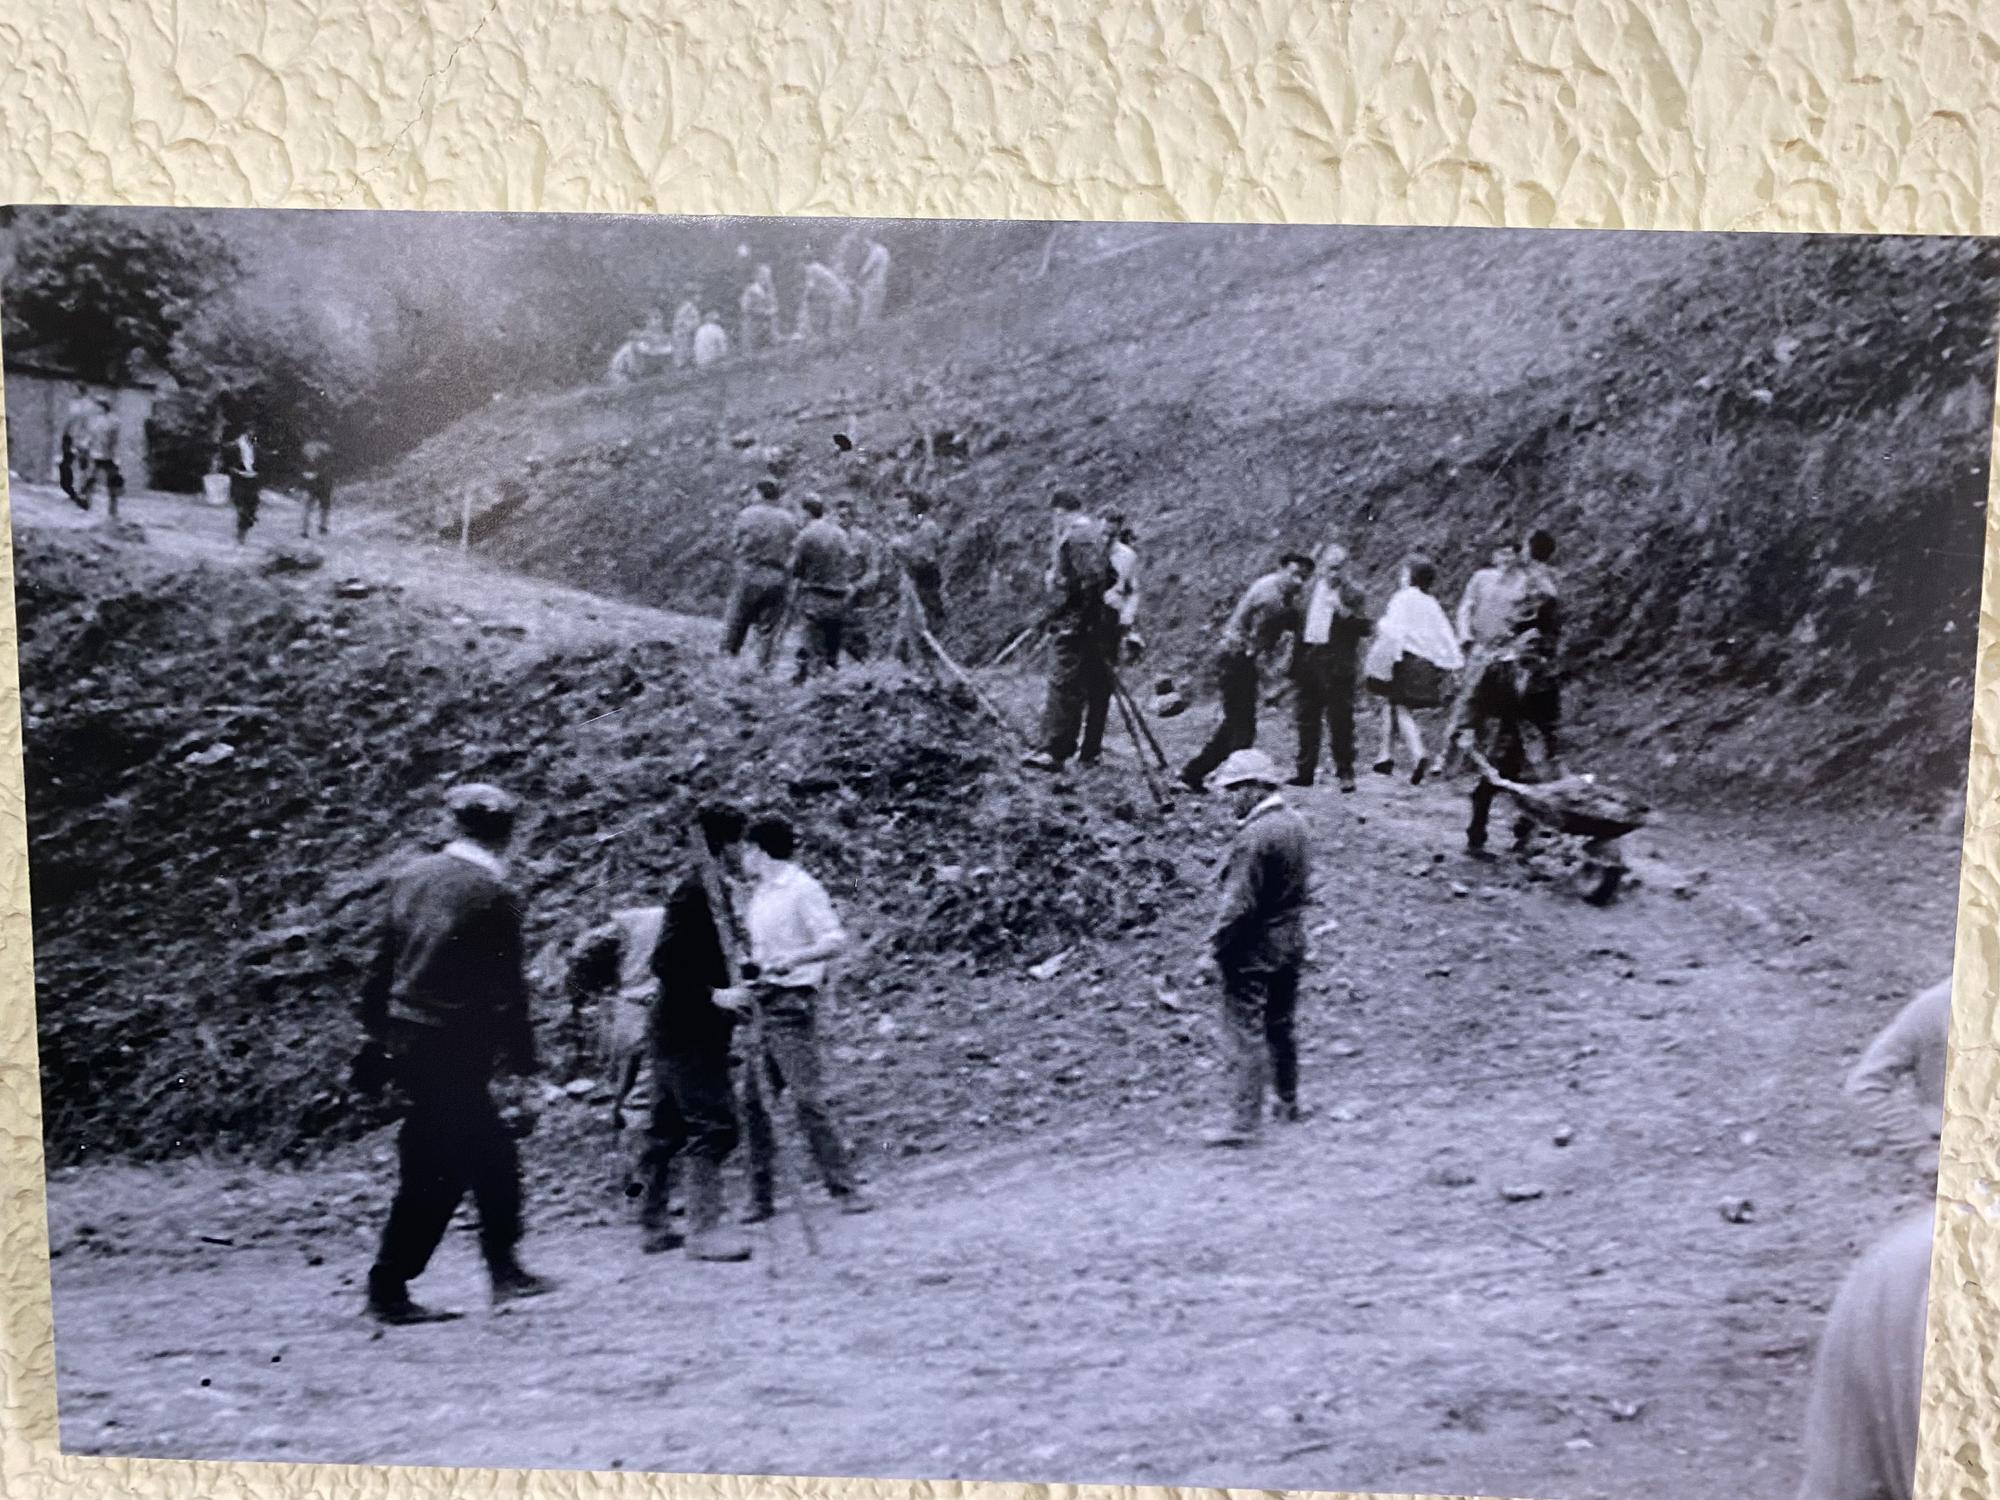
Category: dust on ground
[1496,1258]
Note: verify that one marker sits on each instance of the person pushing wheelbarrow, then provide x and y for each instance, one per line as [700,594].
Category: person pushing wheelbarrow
[1495,741]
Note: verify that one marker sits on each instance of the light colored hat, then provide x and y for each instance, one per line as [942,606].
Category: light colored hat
[481,800]
[1246,767]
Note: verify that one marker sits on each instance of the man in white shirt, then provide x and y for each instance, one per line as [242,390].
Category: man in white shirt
[1325,667]
[1492,599]
[793,931]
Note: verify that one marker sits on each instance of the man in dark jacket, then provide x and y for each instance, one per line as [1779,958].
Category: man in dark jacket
[1263,618]
[445,1003]
[694,1108]
[1259,944]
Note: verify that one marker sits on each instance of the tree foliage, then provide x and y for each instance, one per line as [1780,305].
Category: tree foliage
[97,290]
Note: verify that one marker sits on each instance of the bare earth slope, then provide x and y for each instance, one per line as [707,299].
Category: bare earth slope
[1765,461]
[1420,1289]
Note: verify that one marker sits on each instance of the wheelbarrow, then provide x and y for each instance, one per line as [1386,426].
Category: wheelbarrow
[1583,807]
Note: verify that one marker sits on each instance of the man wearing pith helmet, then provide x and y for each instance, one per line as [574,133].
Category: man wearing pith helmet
[1259,942]
[445,1005]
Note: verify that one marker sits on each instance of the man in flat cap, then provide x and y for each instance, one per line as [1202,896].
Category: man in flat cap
[1259,942]
[444,1006]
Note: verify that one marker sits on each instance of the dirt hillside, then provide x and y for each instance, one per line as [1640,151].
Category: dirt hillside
[1765,460]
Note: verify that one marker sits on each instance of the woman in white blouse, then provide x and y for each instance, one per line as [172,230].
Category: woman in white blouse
[1409,663]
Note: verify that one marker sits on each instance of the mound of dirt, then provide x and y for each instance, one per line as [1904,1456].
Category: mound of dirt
[1765,460]
[222,768]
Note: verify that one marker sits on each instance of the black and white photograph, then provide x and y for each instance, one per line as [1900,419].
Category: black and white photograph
[1278,857]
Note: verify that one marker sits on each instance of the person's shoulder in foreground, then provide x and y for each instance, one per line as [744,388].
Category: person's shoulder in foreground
[1861,1415]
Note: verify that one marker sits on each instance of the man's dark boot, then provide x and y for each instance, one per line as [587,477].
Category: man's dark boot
[654,1212]
[513,1283]
[389,1303]
[707,1238]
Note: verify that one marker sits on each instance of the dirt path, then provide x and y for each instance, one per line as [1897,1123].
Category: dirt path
[1417,1290]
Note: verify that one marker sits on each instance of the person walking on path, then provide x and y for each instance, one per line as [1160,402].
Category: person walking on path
[445,1004]
[1259,944]
[97,453]
[762,544]
[76,417]
[694,1022]
[246,488]
[1264,618]
[1867,1379]
[793,931]
[1911,1046]
[317,478]
[1410,663]
[821,569]
[1326,665]
[1078,578]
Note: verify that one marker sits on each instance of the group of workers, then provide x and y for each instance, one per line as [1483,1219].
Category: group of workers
[822,568]
[744,940]
[835,298]
[723,979]
[88,460]
[1493,665]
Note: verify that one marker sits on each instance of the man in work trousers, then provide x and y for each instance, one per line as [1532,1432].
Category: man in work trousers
[1079,692]
[611,970]
[821,568]
[446,1002]
[694,1111]
[920,605]
[1326,665]
[793,931]
[1263,618]
[762,543]
[864,595]
[246,489]
[317,478]
[1867,1381]
[76,416]
[1259,943]
[97,456]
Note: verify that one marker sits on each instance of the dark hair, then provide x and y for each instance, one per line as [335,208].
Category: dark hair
[1423,572]
[1116,521]
[1065,500]
[721,825]
[768,489]
[1298,559]
[774,835]
[813,506]
[1542,546]
[485,825]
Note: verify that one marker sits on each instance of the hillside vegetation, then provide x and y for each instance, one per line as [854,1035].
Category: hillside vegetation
[1765,459]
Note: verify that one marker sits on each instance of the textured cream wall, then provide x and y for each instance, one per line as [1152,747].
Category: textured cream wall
[1714,114]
